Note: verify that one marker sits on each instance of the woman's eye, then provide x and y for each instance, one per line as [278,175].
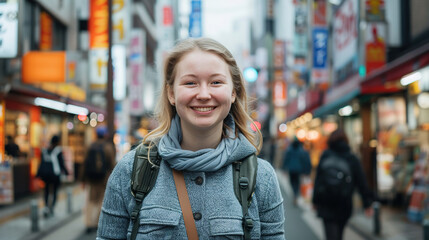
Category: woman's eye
[216,82]
[190,83]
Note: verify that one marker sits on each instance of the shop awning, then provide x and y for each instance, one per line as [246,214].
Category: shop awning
[27,93]
[333,106]
[310,100]
[386,79]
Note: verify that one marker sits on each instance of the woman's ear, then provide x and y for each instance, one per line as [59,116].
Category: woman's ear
[170,93]
[233,95]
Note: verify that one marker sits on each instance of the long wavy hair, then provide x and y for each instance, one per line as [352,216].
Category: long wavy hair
[165,112]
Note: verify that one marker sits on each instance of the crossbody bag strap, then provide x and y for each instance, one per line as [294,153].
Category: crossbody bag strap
[182,193]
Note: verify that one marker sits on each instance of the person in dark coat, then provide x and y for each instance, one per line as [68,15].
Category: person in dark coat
[335,216]
[297,162]
[11,148]
[95,187]
[54,155]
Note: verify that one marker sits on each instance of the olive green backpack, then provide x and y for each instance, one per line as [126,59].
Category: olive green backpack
[145,172]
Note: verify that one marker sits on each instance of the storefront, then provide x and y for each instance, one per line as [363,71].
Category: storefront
[399,113]
[30,122]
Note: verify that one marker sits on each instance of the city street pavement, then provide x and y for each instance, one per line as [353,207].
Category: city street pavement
[301,220]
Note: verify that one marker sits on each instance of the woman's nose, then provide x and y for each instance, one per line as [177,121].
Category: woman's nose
[203,92]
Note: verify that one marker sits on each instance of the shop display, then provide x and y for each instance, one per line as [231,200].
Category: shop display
[6,183]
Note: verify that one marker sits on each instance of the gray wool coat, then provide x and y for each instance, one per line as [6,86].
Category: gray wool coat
[212,199]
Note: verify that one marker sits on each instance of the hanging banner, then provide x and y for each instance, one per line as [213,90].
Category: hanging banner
[119,55]
[345,40]
[46,31]
[375,46]
[320,72]
[98,68]
[8,29]
[195,24]
[279,53]
[137,68]
[98,24]
[319,13]
[121,21]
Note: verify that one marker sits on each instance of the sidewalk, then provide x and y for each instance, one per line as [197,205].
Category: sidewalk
[394,223]
[15,221]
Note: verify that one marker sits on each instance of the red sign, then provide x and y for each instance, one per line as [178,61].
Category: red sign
[98,24]
[168,16]
[279,93]
[319,15]
[45,31]
[375,48]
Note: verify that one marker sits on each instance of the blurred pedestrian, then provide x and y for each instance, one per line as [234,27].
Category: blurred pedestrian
[50,169]
[296,161]
[204,126]
[338,174]
[99,163]
[11,148]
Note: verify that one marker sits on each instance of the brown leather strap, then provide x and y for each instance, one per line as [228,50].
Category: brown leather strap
[182,193]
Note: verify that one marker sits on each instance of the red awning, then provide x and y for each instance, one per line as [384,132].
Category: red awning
[386,79]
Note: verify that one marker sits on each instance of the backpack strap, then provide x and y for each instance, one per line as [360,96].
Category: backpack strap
[143,178]
[244,175]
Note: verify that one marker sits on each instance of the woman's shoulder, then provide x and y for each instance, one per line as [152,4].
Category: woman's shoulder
[124,166]
[265,169]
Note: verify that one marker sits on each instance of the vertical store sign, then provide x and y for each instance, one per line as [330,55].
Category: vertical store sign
[300,37]
[98,43]
[195,24]
[375,10]
[119,55]
[375,46]
[280,87]
[121,21]
[345,40]
[137,63]
[9,29]
[45,43]
[320,72]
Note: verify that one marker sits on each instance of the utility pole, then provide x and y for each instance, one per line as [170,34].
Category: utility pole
[109,92]
[269,39]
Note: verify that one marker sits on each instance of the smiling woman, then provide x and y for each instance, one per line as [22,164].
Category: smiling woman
[202,94]
[204,128]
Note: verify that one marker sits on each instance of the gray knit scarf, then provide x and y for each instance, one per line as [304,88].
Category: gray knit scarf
[229,150]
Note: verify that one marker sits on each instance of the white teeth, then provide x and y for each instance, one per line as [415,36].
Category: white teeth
[203,109]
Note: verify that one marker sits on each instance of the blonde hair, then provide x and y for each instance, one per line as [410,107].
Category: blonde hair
[239,109]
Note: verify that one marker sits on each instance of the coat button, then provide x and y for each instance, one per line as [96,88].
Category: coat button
[199,180]
[197,216]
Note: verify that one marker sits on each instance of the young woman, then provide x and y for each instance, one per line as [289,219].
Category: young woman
[203,128]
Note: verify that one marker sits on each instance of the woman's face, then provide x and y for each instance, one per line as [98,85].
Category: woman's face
[202,92]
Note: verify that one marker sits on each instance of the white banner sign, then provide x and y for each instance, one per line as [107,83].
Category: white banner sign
[8,29]
[121,21]
[137,73]
[98,58]
[345,33]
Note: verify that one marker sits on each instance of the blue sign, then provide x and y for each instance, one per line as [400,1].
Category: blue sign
[195,25]
[320,47]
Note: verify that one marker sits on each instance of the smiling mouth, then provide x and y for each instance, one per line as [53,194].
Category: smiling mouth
[203,109]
